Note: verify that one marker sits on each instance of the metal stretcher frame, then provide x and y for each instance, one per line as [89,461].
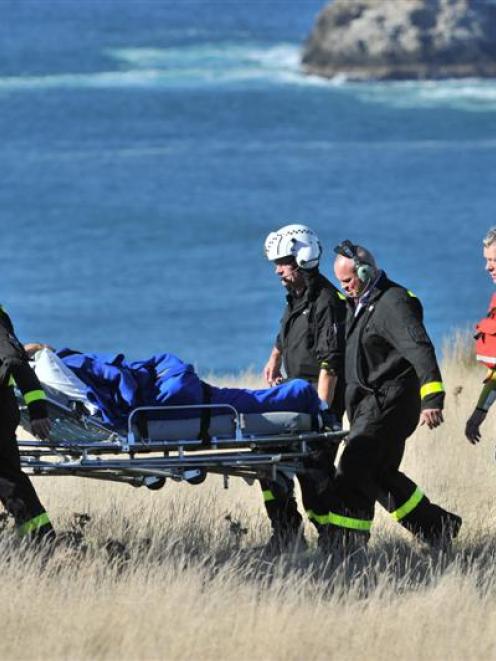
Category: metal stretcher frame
[80,445]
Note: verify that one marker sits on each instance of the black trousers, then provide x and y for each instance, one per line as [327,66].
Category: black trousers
[17,494]
[368,472]
[279,497]
[368,469]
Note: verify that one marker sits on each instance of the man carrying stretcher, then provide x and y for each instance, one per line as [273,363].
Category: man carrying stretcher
[17,494]
[310,346]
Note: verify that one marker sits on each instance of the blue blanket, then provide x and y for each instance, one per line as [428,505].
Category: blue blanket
[117,386]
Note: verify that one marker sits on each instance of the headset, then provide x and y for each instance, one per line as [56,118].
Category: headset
[364,271]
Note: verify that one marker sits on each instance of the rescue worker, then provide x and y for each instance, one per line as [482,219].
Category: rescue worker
[392,381]
[17,494]
[310,346]
[485,348]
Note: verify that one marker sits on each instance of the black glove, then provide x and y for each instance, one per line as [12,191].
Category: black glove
[472,431]
[330,421]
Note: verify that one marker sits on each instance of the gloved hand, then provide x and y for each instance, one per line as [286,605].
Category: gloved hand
[472,431]
[41,428]
[330,421]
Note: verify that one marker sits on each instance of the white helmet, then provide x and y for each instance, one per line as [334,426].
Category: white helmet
[298,241]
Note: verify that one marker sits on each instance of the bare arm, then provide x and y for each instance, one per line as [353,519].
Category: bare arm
[272,370]
[326,386]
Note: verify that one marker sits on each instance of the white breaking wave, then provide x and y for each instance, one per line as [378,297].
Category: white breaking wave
[251,64]
[210,56]
[104,79]
[188,66]
[474,95]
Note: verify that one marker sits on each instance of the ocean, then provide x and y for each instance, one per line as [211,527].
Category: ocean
[149,147]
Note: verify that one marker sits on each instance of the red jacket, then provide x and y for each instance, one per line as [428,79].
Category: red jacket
[485,338]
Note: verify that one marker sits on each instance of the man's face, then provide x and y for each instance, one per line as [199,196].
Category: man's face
[344,269]
[490,257]
[289,273]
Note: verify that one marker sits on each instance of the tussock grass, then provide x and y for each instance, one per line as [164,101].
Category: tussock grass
[177,574]
[458,348]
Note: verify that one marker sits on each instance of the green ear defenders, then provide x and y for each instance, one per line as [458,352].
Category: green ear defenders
[365,272]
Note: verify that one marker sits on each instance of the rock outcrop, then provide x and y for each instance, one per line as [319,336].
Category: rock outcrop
[403,39]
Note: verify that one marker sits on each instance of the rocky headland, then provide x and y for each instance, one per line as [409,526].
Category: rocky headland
[403,39]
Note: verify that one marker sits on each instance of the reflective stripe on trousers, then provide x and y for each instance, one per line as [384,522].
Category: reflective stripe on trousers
[33,524]
[408,506]
[268,495]
[340,521]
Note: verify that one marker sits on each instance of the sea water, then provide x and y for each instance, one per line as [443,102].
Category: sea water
[147,148]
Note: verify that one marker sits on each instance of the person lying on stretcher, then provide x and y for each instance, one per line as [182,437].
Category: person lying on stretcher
[116,386]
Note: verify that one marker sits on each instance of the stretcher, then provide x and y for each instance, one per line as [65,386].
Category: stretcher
[196,441]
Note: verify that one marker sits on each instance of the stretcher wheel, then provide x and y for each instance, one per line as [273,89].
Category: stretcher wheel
[157,484]
[196,476]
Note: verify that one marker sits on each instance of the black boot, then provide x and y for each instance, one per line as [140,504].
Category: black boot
[444,532]
[341,542]
[286,541]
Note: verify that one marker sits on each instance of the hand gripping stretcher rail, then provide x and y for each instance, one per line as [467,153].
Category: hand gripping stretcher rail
[251,446]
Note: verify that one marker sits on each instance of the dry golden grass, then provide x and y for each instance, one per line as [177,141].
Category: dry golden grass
[188,584]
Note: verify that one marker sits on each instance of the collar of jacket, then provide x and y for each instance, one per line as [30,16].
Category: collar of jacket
[365,297]
[372,294]
[375,292]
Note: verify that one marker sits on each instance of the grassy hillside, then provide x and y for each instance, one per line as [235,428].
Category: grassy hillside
[173,575]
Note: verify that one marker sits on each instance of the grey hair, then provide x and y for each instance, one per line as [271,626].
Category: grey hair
[490,237]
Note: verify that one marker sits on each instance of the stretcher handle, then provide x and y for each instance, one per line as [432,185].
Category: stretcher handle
[182,407]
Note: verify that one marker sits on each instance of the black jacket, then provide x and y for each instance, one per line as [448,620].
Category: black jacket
[311,336]
[387,344]
[14,365]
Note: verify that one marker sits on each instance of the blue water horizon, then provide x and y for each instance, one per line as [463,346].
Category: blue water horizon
[148,149]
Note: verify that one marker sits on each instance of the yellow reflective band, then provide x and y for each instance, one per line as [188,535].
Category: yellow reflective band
[347,522]
[341,296]
[34,396]
[268,495]
[431,388]
[11,381]
[319,518]
[409,506]
[410,293]
[340,521]
[33,524]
